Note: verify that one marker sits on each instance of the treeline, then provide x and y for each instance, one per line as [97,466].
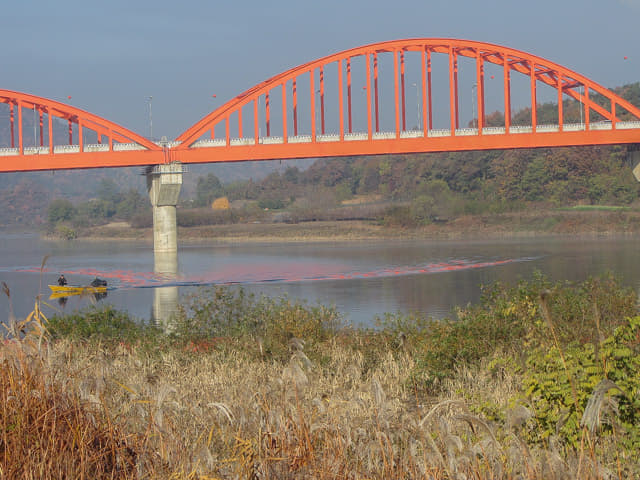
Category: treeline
[423,188]
[109,204]
[418,189]
[405,190]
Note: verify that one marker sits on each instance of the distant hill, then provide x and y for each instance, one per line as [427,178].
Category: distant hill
[81,184]
[426,187]
[25,196]
[593,174]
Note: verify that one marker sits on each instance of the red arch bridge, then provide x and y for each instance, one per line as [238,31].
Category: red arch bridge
[356,102]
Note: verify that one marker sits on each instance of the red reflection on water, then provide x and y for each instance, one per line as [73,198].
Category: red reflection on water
[291,271]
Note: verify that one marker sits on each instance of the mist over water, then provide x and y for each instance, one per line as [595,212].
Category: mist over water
[362,280]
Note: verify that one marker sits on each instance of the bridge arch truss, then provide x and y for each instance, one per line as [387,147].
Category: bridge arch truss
[294,103]
[92,141]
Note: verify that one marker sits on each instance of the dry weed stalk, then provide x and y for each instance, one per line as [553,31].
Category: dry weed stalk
[225,414]
[47,432]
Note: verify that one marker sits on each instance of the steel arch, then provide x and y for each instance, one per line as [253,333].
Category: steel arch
[45,157]
[188,147]
[564,80]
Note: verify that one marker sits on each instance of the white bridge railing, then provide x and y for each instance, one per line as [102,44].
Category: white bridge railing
[331,137]
[62,149]
[434,133]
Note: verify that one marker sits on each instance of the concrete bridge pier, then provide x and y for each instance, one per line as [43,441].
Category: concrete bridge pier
[164,183]
[165,299]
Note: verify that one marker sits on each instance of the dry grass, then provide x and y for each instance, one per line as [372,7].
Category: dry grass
[211,415]
[48,433]
[46,430]
[75,409]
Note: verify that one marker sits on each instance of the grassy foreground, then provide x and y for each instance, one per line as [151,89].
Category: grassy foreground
[539,381]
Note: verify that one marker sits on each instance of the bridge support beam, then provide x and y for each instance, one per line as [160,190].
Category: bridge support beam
[164,183]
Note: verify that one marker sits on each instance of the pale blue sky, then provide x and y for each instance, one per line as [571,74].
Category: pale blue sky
[110,56]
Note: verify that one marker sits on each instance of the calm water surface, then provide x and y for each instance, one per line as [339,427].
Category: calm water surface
[361,280]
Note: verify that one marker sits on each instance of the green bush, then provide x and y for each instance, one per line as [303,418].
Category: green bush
[560,384]
[271,203]
[102,324]
[399,216]
[267,323]
[512,320]
[258,325]
[66,232]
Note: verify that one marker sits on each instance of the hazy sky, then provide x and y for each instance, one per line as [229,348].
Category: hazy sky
[111,56]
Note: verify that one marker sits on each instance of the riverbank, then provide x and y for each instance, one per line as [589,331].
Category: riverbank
[267,388]
[505,225]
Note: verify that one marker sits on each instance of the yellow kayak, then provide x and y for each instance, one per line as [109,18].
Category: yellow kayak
[63,290]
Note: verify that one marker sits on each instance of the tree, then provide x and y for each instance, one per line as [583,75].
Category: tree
[208,189]
[97,209]
[535,179]
[370,179]
[108,191]
[435,201]
[60,210]
[130,204]
[292,174]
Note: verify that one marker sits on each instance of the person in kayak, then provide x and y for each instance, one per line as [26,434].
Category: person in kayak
[98,282]
[61,280]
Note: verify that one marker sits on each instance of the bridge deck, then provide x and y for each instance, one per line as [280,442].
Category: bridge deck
[310,111]
[327,138]
[334,137]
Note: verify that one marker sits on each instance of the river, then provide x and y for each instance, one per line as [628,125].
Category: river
[362,280]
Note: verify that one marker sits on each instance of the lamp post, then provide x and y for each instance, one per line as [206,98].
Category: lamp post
[150,101]
[214,97]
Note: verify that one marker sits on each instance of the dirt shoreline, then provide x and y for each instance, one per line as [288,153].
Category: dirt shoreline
[478,227]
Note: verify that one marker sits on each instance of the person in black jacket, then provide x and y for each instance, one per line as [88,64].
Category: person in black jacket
[61,280]
[98,282]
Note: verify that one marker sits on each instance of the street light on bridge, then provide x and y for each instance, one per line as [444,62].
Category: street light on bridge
[150,101]
[214,97]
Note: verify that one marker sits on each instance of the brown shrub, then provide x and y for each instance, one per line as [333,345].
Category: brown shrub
[47,433]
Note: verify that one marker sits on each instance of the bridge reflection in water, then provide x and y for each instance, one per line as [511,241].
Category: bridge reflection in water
[165,299]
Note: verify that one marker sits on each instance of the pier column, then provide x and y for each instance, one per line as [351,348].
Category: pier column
[165,299]
[163,183]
